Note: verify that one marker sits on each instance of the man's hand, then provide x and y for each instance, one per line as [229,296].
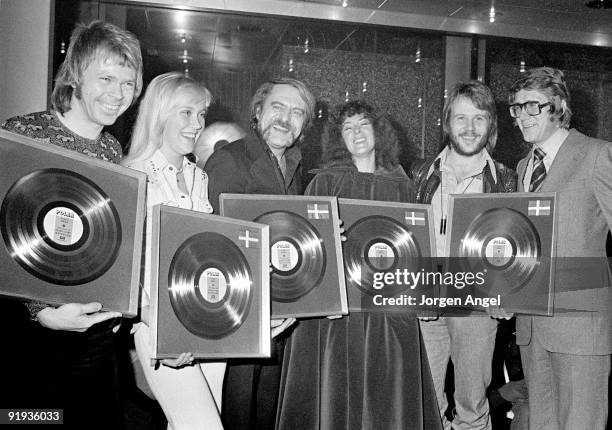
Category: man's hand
[427,314]
[74,316]
[341,229]
[498,313]
[185,359]
[280,325]
[514,391]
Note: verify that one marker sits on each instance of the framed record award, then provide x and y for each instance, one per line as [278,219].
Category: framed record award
[505,243]
[307,277]
[384,240]
[71,226]
[210,286]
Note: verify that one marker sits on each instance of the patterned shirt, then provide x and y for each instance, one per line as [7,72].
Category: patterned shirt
[47,128]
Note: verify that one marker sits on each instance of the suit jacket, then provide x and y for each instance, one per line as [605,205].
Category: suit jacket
[581,174]
[247,166]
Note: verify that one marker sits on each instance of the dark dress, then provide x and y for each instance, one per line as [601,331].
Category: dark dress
[363,371]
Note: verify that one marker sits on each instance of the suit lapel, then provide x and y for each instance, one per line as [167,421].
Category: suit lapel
[521,168]
[570,150]
[262,166]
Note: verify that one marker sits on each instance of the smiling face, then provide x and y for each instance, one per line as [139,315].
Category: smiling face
[468,126]
[106,90]
[536,129]
[358,136]
[184,123]
[281,118]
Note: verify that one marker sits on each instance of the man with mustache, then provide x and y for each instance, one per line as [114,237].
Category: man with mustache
[464,166]
[266,161]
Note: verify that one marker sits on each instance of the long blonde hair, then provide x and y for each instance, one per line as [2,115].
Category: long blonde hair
[154,110]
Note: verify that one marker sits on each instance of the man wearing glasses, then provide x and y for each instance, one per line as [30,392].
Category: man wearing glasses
[566,358]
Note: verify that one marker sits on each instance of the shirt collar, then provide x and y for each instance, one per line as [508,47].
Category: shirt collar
[552,145]
[159,161]
[485,159]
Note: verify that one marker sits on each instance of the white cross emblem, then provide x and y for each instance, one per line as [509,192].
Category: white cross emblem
[415,218]
[538,207]
[316,213]
[248,239]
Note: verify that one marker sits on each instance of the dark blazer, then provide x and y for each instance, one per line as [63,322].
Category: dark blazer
[247,166]
[581,174]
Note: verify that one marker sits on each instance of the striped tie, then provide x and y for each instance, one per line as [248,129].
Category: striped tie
[539,170]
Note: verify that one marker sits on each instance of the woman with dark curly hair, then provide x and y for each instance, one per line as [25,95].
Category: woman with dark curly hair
[365,370]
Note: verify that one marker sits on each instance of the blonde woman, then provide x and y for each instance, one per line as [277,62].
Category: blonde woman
[170,119]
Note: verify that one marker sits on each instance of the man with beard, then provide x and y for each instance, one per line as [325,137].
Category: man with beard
[266,161]
[464,166]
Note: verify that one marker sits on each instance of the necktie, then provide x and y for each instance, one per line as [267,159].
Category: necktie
[539,170]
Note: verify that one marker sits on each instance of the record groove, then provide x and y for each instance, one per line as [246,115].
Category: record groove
[60,227]
[503,243]
[297,254]
[193,291]
[379,231]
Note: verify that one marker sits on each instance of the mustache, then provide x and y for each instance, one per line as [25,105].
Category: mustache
[281,123]
[469,134]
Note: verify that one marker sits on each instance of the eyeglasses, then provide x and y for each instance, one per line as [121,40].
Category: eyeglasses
[532,108]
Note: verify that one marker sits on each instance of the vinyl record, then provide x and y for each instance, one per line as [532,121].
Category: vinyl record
[297,255]
[379,244]
[503,243]
[210,285]
[60,227]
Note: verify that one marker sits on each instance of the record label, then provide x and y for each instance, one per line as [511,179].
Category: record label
[63,226]
[284,256]
[212,285]
[381,255]
[498,251]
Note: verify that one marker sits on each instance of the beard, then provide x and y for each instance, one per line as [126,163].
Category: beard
[471,149]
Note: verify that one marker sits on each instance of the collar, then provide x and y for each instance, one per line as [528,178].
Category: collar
[485,158]
[551,145]
[74,134]
[160,162]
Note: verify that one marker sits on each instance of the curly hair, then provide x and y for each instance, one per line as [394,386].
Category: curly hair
[386,143]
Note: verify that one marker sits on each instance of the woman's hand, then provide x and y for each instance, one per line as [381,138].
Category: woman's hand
[280,325]
[185,359]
